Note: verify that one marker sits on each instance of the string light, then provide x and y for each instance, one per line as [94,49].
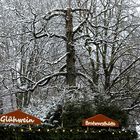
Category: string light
[86,131]
[30,128]
[115,132]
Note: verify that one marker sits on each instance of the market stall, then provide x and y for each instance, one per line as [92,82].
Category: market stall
[100,120]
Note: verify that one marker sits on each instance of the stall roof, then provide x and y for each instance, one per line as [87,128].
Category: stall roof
[100,120]
[18,117]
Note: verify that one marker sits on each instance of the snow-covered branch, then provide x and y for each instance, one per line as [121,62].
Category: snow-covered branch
[78,27]
[88,78]
[136,106]
[43,81]
[58,60]
[124,71]
[50,36]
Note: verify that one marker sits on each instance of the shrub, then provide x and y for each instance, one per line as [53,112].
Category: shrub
[113,112]
[73,114]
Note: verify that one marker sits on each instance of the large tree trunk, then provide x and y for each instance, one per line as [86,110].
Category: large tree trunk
[71,74]
[70,66]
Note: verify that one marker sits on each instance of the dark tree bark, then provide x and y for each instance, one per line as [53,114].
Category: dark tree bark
[71,73]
